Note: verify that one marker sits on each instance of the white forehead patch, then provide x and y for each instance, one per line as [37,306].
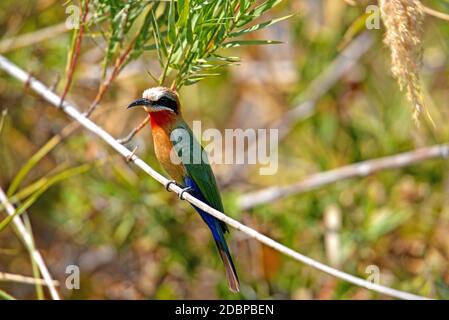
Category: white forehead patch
[154,94]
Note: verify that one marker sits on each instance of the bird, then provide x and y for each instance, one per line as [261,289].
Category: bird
[196,177]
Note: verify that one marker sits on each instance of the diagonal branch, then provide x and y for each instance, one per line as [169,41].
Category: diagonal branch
[73,113]
[27,240]
[360,169]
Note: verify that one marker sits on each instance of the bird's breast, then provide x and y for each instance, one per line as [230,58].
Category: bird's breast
[163,149]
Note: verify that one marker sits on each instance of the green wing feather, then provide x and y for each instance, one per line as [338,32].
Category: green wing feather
[195,161]
[187,148]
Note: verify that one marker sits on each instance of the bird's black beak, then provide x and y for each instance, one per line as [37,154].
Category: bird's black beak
[140,102]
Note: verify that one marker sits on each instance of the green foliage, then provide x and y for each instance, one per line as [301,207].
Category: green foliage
[46,183]
[42,152]
[186,35]
[120,17]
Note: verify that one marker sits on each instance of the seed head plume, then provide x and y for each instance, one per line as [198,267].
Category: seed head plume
[403,20]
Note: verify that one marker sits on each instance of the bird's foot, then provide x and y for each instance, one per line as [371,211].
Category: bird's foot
[181,194]
[169,182]
[132,154]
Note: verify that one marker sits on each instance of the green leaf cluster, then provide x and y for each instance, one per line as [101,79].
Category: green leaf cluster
[186,35]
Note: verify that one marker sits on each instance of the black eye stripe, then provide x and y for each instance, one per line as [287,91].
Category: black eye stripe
[168,103]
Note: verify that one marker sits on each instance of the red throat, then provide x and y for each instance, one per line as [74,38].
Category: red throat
[161,118]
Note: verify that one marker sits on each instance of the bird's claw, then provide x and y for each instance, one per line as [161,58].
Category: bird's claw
[132,154]
[181,194]
[167,185]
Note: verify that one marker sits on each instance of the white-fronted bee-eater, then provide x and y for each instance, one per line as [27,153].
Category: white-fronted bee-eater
[195,177]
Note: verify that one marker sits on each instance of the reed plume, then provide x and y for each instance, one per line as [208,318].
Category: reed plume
[403,20]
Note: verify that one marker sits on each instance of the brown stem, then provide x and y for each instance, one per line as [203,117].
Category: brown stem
[76,51]
[136,130]
[115,71]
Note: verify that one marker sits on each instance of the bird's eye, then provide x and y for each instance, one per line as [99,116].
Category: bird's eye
[168,103]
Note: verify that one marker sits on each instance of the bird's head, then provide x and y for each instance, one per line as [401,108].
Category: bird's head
[158,99]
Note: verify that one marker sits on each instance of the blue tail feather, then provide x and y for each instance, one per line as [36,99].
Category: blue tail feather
[218,228]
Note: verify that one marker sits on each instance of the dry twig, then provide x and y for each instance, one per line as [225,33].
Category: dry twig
[360,169]
[31,38]
[11,277]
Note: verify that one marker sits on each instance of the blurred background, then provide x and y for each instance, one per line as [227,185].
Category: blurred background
[133,240]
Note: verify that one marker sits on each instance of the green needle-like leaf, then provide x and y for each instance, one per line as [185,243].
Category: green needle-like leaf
[238,43]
